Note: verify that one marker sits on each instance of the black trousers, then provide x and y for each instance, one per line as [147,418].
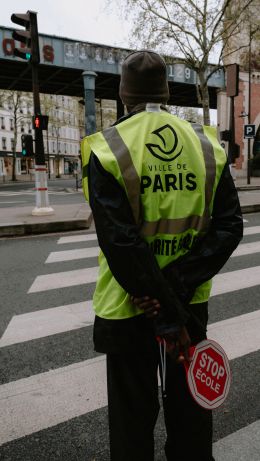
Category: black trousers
[133,404]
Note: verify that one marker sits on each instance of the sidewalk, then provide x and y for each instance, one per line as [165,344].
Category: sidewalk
[19,221]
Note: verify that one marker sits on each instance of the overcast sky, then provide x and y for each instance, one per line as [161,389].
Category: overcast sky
[86,20]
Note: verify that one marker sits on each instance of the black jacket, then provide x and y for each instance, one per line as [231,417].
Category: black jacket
[135,267]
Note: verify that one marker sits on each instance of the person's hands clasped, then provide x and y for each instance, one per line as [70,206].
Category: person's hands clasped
[177,344]
[150,306]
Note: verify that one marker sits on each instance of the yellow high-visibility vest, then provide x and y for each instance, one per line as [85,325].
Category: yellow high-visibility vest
[169,170]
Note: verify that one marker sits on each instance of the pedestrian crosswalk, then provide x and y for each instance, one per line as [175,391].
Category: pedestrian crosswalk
[41,401]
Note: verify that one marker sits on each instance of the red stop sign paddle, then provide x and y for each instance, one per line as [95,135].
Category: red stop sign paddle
[208,375]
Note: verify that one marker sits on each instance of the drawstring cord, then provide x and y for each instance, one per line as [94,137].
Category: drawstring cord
[162,346]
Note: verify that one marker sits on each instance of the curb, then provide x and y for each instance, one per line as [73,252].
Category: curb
[21,229]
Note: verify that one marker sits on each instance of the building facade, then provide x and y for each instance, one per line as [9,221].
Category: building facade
[61,140]
[66,128]
[244,49]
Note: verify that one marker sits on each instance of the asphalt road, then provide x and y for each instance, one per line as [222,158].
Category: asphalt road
[61,191]
[52,390]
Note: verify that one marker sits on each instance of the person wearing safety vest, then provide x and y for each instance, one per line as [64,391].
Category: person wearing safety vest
[167,218]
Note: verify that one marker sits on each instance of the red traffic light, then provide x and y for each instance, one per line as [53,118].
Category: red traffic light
[37,122]
[40,122]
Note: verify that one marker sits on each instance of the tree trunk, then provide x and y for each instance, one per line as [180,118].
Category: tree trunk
[14,167]
[205,104]
[204,97]
[15,144]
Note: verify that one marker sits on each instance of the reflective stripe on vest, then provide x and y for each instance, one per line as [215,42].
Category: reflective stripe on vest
[132,184]
[127,168]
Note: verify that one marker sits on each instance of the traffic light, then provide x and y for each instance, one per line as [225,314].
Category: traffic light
[28,37]
[27,145]
[40,122]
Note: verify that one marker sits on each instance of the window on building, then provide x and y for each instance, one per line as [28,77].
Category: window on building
[12,144]
[53,146]
[29,127]
[2,123]
[22,127]
[65,148]
[4,143]
[59,147]
[11,124]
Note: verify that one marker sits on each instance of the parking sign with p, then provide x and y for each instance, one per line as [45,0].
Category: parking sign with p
[249,131]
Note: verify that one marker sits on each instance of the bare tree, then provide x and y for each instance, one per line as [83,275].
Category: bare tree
[13,103]
[198,30]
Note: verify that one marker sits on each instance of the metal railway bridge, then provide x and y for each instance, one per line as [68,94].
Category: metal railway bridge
[90,71]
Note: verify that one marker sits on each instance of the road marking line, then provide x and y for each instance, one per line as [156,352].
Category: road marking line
[64,279]
[240,446]
[69,255]
[47,399]
[47,322]
[235,280]
[247,249]
[238,335]
[252,230]
[77,238]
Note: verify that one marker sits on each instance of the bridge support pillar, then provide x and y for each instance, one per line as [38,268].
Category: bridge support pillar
[89,78]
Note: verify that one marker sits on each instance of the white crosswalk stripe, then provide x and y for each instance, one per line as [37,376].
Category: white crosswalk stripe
[46,322]
[46,399]
[50,398]
[78,238]
[64,279]
[247,249]
[252,230]
[69,255]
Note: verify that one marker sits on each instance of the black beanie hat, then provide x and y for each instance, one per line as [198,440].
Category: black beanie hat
[143,79]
